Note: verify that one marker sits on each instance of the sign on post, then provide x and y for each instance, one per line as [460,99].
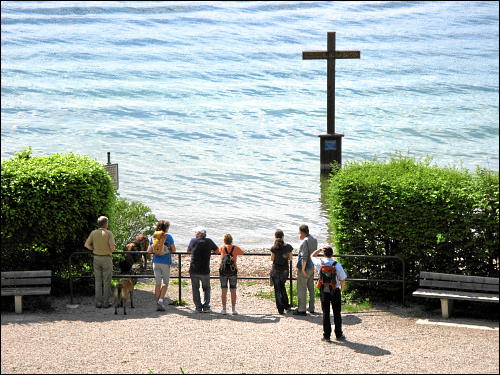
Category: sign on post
[112,171]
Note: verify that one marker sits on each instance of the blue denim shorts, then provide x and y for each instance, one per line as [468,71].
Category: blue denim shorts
[232,281]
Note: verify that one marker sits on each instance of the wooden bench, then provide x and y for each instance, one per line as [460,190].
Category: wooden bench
[25,283]
[448,287]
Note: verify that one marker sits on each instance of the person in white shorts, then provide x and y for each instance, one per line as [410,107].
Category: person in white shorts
[161,264]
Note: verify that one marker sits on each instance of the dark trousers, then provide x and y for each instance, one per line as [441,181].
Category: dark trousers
[279,281]
[334,299]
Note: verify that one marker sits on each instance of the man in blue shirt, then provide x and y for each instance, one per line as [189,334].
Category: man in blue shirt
[330,293]
[201,248]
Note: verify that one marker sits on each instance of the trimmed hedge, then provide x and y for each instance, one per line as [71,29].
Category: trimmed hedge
[436,219]
[49,206]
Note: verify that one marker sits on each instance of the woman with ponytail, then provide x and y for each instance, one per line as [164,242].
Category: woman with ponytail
[281,254]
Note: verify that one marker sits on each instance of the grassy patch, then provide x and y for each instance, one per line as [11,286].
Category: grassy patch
[176,302]
[248,283]
[140,284]
[265,294]
[348,303]
[176,282]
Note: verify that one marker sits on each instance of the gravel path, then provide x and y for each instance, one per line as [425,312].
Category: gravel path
[387,339]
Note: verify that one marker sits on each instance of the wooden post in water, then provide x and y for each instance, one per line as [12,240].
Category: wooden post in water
[330,142]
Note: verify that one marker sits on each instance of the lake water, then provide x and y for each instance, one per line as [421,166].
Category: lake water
[213,116]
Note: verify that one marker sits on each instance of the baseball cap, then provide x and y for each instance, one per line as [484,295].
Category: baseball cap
[200,230]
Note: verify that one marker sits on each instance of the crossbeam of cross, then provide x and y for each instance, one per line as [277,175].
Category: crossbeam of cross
[331,55]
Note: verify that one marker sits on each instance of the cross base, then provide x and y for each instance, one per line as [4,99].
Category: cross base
[330,151]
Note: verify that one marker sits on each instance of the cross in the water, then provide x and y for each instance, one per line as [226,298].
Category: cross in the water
[331,143]
[330,55]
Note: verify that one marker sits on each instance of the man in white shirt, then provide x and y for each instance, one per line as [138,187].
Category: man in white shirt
[331,282]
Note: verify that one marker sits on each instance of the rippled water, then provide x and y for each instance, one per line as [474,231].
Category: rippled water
[213,116]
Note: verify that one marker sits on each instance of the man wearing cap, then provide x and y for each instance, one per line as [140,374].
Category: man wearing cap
[330,295]
[200,249]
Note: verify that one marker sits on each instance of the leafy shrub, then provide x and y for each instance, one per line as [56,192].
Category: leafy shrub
[130,219]
[436,219]
[49,206]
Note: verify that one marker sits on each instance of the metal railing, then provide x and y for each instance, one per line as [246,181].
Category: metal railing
[179,275]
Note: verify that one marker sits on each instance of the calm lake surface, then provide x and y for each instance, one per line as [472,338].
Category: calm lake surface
[213,116]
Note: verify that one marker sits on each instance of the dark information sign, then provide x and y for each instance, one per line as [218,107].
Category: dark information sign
[113,172]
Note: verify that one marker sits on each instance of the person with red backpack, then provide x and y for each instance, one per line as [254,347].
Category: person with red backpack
[331,281]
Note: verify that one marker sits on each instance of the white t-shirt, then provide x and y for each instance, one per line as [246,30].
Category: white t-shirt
[341,275]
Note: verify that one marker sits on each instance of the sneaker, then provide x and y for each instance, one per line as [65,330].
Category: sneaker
[199,309]
[160,307]
[235,312]
[288,310]
[311,312]
[340,338]
[326,339]
[107,306]
[207,310]
[223,312]
[281,312]
[98,306]
[301,313]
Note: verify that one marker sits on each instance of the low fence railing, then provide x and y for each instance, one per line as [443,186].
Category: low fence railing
[179,275]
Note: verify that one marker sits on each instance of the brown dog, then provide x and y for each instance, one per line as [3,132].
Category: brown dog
[124,288]
[140,243]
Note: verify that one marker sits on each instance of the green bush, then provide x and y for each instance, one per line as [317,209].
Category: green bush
[130,219]
[49,206]
[436,219]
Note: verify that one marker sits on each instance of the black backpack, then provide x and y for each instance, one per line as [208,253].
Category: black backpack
[227,266]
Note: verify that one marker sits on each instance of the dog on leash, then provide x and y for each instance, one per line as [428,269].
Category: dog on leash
[124,288]
[140,243]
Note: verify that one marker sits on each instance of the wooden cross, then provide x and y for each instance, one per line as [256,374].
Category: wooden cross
[330,55]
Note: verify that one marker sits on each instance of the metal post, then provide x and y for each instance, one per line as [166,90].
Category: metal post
[109,157]
[70,281]
[404,281]
[291,282]
[179,278]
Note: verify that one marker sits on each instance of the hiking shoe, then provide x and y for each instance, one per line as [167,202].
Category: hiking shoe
[223,312]
[340,338]
[301,313]
[326,339]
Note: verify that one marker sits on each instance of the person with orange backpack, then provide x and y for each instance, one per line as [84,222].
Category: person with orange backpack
[331,281]
[161,245]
